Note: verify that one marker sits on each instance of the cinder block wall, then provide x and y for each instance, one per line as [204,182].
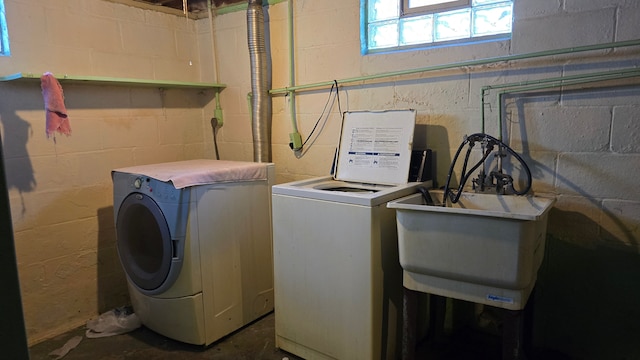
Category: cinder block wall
[60,190]
[579,142]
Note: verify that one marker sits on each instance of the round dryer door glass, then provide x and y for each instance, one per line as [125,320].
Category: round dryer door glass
[144,241]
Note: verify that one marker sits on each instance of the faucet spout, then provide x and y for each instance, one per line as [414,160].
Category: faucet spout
[502,181]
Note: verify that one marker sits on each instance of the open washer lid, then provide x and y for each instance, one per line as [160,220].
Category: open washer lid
[375,146]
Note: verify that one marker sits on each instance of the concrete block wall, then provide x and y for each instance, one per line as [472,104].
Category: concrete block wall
[233,71]
[100,38]
[579,142]
[60,189]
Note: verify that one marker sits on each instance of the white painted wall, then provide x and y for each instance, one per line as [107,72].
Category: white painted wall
[580,144]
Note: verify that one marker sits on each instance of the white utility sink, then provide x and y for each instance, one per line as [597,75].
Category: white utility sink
[486,248]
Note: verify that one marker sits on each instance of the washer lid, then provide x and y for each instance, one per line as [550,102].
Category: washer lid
[375,146]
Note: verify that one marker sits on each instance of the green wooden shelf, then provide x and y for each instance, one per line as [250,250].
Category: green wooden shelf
[118,81]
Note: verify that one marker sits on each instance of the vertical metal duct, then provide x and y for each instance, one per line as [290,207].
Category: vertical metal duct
[260,83]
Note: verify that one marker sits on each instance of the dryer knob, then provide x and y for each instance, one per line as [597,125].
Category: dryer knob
[137,183]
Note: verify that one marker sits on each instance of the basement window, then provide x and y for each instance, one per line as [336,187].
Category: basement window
[390,25]
[4,36]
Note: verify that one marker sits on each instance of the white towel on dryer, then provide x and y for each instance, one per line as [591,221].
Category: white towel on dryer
[201,172]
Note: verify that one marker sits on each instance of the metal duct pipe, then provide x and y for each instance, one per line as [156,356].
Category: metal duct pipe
[260,83]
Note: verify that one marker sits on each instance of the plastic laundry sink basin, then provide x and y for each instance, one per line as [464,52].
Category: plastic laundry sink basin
[486,248]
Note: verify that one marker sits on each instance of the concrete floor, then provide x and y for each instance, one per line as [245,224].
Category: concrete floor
[253,342]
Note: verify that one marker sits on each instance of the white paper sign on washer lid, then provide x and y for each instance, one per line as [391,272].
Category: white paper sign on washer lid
[375,146]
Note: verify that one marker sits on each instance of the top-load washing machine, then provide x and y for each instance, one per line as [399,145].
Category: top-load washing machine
[194,238]
[337,277]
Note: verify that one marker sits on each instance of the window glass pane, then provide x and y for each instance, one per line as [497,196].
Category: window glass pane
[403,23]
[494,19]
[416,30]
[4,36]
[383,34]
[453,25]
[383,9]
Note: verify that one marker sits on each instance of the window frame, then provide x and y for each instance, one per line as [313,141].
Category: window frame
[4,34]
[405,9]
[365,24]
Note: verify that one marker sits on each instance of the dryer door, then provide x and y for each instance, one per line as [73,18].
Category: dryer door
[144,241]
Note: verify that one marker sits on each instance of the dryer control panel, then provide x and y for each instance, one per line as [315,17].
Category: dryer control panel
[125,183]
[161,190]
[137,183]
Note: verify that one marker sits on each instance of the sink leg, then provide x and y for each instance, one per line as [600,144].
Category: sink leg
[409,325]
[513,335]
[437,314]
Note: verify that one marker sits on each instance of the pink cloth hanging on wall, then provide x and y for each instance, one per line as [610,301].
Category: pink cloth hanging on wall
[57,118]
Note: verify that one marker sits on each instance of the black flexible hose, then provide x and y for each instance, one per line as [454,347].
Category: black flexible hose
[448,182]
[520,160]
[426,196]
[491,142]
[214,126]
[465,176]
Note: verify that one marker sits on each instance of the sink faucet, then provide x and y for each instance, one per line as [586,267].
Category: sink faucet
[503,181]
[496,179]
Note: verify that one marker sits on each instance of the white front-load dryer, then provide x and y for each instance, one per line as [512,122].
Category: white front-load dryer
[194,239]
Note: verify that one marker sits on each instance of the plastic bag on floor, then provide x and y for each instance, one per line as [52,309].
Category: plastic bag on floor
[68,346]
[115,322]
